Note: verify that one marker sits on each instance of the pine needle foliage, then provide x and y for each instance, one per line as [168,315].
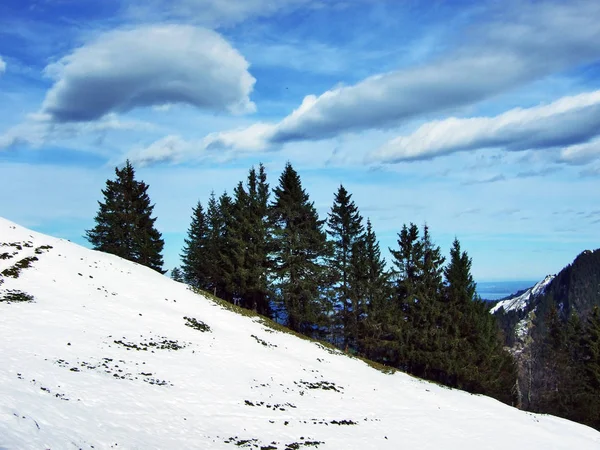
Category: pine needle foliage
[124,222]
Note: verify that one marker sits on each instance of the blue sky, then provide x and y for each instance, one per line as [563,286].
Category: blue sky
[481,119]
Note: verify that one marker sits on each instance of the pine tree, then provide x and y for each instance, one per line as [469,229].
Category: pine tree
[346,230]
[378,332]
[256,240]
[471,356]
[228,245]
[425,313]
[460,286]
[590,412]
[299,246]
[124,226]
[214,224]
[194,255]
[177,274]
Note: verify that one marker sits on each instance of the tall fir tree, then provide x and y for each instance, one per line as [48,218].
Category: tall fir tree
[299,247]
[214,224]
[195,251]
[228,250]
[590,352]
[124,222]
[472,355]
[253,207]
[177,274]
[377,332]
[347,233]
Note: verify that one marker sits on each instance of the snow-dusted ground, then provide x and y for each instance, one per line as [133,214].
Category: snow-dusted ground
[103,359]
[520,301]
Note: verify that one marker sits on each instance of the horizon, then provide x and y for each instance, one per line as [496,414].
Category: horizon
[479,119]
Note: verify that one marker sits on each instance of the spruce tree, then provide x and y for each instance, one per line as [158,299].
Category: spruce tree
[299,246]
[195,252]
[177,274]
[377,332]
[124,222]
[346,231]
[252,222]
[472,356]
[590,413]
[228,250]
[214,225]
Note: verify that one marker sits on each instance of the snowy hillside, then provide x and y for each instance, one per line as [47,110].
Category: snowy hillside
[109,354]
[519,302]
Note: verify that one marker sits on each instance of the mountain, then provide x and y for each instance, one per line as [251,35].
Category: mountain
[554,335]
[516,313]
[520,300]
[575,289]
[99,352]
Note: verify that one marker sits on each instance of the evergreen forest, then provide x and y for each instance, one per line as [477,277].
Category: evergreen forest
[265,248]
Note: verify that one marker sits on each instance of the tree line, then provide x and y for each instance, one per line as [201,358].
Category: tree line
[267,250]
[566,366]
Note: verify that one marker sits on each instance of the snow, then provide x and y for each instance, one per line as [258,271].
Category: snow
[68,379]
[519,302]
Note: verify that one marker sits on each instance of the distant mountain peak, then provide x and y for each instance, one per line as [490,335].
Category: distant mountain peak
[521,301]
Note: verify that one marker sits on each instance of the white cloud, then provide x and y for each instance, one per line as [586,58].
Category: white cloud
[569,120]
[2,66]
[212,13]
[581,153]
[39,130]
[149,66]
[526,44]
[171,148]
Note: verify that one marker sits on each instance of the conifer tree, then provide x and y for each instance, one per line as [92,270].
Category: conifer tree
[195,252]
[228,250]
[460,286]
[214,224]
[177,274]
[124,222]
[256,239]
[408,271]
[299,246]
[472,356]
[591,370]
[377,332]
[422,262]
[346,230]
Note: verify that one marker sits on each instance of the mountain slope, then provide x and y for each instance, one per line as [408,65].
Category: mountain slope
[102,358]
[519,302]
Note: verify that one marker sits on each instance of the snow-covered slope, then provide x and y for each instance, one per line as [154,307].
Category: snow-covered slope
[102,358]
[519,302]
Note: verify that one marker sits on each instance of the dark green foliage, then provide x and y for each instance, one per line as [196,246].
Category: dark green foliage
[124,226]
[215,225]
[177,274]
[444,332]
[251,240]
[423,317]
[575,288]
[590,355]
[347,265]
[567,368]
[558,374]
[195,253]
[379,330]
[299,249]
[418,286]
